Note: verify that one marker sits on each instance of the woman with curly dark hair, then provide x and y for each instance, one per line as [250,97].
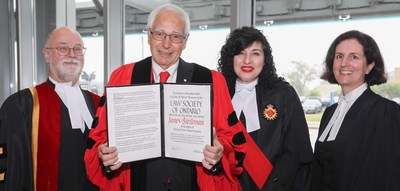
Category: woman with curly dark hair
[269,108]
[358,145]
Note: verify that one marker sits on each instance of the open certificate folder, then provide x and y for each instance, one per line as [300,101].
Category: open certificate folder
[159,120]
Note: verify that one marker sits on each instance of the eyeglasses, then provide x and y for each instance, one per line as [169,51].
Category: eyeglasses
[160,36]
[65,50]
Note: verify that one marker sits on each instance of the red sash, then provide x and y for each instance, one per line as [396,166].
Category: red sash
[255,162]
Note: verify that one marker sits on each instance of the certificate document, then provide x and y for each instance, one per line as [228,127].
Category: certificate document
[159,120]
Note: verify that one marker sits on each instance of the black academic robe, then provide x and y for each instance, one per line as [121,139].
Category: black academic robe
[59,161]
[366,152]
[283,137]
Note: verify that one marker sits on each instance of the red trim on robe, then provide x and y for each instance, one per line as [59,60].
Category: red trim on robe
[48,138]
[258,166]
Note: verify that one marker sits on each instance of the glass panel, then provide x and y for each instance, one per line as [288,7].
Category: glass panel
[204,45]
[89,24]
[289,26]
[92,77]
[300,32]
[136,47]
[308,42]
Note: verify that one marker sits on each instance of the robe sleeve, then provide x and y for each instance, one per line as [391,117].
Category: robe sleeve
[297,154]
[120,179]
[379,166]
[375,164]
[222,108]
[16,170]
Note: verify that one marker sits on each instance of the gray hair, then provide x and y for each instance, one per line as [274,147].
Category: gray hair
[173,8]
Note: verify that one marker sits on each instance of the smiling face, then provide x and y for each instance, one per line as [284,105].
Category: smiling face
[64,68]
[350,65]
[165,53]
[249,63]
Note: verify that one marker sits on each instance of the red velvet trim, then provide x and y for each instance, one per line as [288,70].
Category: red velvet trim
[49,138]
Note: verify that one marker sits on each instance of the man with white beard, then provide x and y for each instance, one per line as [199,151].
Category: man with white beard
[44,129]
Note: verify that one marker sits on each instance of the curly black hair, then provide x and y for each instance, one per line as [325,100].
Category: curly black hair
[237,41]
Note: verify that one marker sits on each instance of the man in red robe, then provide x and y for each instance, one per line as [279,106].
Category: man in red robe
[44,129]
[168,31]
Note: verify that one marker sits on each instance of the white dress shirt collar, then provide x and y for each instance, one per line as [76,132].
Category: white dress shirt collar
[245,100]
[354,94]
[172,70]
[249,86]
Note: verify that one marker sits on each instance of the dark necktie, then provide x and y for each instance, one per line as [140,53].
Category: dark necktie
[242,119]
[164,76]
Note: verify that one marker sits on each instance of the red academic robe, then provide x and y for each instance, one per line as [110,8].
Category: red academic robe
[222,108]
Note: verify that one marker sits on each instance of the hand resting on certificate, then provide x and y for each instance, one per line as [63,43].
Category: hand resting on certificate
[212,155]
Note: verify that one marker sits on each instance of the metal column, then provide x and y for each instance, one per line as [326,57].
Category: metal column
[114,36]
[26,43]
[242,13]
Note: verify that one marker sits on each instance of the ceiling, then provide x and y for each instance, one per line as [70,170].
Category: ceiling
[216,13]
